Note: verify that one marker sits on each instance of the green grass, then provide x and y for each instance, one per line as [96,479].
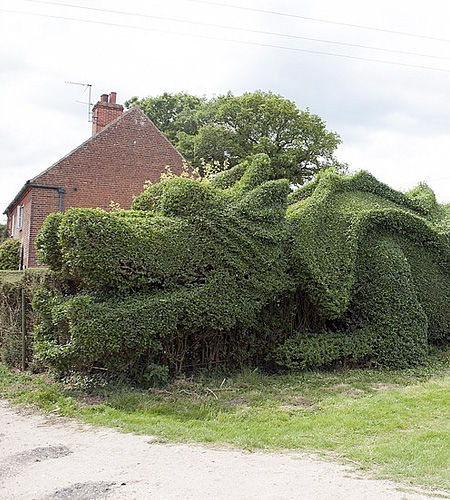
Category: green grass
[394,424]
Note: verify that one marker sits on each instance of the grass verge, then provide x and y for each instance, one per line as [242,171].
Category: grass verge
[393,423]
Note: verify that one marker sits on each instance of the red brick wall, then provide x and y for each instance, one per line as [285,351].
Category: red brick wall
[111,166]
[22,234]
[45,201]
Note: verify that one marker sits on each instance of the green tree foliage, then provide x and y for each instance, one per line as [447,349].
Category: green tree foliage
[172,113]
[225,130]
[236,271]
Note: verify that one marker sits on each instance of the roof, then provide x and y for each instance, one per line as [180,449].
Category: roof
[34,182]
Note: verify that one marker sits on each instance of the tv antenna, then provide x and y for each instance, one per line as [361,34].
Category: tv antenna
[88,87]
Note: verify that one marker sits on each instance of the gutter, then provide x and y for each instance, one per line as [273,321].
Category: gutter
[28,185]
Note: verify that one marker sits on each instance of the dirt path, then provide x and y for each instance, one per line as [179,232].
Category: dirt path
[49,458]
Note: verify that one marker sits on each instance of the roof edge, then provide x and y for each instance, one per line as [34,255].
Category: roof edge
[32,182]
[19,195]
[80,145]
[163,135]
[25,188]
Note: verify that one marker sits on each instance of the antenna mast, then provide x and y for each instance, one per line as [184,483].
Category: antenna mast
[88,87]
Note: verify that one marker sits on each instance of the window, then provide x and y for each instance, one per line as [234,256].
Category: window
[20,217]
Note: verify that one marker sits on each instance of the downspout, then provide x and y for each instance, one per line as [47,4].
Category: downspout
[60,190]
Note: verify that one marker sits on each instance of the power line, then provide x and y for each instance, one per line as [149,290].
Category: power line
[318,20]
[235,28]
[223,39]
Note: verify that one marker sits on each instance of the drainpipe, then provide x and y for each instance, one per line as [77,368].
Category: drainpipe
[60,190]
[60,199]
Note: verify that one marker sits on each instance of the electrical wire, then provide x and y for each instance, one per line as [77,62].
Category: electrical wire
[235,28]
[223,39]
[318,20]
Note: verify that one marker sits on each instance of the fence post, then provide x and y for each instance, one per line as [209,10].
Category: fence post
[24,330]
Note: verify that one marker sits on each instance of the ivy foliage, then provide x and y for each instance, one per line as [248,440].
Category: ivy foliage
[375,263]
[176,280]
[236,271]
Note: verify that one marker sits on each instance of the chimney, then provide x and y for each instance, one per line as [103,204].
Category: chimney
[105,111]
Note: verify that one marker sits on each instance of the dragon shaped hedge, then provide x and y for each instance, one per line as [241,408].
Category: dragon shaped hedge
[237,270]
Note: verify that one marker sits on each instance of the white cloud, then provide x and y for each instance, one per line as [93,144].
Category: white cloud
[400,160]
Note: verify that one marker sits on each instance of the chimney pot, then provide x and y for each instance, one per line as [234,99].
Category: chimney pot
[112,97]
[104,98]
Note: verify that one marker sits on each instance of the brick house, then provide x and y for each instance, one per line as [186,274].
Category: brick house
[125,151]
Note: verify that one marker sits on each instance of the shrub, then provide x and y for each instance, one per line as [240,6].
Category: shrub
[226,272]
[10,255]
[174,282]
[371,261]
[3,232]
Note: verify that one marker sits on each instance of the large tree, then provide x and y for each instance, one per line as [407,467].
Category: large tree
[227,129]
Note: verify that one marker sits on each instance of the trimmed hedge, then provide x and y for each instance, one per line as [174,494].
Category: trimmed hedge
[177,280]
[236,271]
[10,255]
[375,265]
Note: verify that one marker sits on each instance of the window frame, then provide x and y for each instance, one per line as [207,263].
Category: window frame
[20,217]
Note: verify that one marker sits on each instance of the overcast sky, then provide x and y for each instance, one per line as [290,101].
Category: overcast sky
[393,115]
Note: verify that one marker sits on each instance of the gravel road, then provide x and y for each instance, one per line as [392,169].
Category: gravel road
[51,458]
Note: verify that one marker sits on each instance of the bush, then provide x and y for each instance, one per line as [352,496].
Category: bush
[371,261]
[10,255]
[224,272]
[175,282]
